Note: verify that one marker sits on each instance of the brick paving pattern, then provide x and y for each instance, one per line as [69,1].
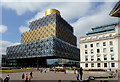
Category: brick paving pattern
[52,75]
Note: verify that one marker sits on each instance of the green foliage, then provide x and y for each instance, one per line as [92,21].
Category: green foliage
[62,70]
[14,70]
[57,69]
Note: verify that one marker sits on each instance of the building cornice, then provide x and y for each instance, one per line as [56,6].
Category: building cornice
[97,34]
[99,61]
[100,39]
[116,10]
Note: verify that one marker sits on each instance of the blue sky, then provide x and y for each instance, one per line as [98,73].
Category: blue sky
[13,22]
[81,15]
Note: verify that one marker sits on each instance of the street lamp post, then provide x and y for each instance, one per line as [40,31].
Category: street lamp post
[109,65]
[109,71]
[37,63]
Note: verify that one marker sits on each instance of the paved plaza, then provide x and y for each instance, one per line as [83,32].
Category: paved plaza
[53,76]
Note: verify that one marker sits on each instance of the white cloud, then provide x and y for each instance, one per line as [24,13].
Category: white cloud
[59,0]
[69,11]
[37,16]
[4,45]
[23,7]
[23,29]
[3,28]
[87,14]
[99,17]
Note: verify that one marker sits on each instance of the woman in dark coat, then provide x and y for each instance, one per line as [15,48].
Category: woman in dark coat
[81,73]
[23,76]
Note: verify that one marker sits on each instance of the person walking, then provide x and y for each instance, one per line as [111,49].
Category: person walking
[115,74]
[77,76]
[74,71]
[8,77]
[23,76]
[31,74]
[30,77]
[1,80]
[26,79]
[41,70]
[5,80]
[45,70]
[81,73]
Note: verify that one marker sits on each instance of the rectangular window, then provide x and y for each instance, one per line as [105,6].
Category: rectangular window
[98,50]
[98,65]
[86,58]
[104,50]
[92,58]
[85,45]
[112,64]
[112,57]
[97,37]
[105,57]
[92,64]
[104,43]
[86,65]
[110,35]
[97,44]
[91,51]
[111,49]
[91,38]
[86,52]
[98,58]
[91,45]
[105,64]
[103,36]
[111,42]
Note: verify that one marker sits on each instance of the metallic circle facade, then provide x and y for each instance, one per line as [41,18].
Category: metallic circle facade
[51,11]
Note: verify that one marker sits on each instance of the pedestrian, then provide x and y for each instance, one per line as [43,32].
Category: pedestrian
[45,70]
[114,74]
[30,77]
[65,71]
[31,74]
[81,73]
[74,71]
[26,79]
[23,76]
[1,80]
[55,70]
[8,77]
[116,71]
[5,80]
[77,76]
[41,70]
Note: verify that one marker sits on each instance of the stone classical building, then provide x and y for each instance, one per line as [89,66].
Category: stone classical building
[100,48]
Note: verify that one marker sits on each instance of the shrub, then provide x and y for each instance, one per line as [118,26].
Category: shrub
[57,69]
[95,70]
[62,70]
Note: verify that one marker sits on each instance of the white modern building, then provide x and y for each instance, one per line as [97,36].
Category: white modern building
[100,48]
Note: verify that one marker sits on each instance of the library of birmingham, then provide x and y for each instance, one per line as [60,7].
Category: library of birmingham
[49,42]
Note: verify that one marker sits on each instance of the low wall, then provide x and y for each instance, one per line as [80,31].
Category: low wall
[9,68]
[70,71]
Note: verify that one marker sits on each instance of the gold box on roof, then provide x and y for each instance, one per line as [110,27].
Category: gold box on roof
[49,31]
